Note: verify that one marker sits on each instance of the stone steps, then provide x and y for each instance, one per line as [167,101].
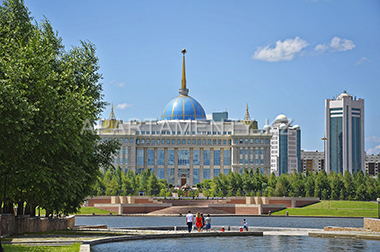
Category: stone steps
[184,209]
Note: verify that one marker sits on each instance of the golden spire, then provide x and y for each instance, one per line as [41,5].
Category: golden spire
[247,117]
[183,82]
[183,90]
[112,115]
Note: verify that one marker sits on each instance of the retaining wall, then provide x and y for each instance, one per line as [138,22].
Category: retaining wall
[372,224]
[11,224]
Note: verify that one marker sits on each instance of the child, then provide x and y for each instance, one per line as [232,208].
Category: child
[222,230]
[245,225]
[208,223]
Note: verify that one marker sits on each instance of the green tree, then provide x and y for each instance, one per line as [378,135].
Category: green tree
[206,183]
[50,99]
[349,184]
[282,186]
[153,185]
[162,193]
[272,180]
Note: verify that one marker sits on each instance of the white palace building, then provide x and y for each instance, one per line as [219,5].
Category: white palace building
[183,147]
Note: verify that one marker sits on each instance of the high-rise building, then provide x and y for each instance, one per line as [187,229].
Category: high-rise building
[285,146]
[344,121]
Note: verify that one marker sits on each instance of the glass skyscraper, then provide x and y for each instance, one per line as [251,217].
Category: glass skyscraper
[345,134]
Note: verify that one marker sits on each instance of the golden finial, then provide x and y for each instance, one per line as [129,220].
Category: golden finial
[247,117]
[112,115]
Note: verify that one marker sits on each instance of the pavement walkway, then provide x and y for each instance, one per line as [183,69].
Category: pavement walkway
[93,237]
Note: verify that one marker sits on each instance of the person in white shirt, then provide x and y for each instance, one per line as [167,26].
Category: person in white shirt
[189,221]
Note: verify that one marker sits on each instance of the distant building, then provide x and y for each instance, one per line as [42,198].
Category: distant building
[183,147]
[312,161]
[372,164]
[285,146]
[344,123]
[220,116]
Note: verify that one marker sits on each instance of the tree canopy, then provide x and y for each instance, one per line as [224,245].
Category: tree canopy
[47,96]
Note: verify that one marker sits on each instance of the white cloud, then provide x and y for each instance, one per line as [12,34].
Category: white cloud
[321,48]
[123,105]
[116,83]
[285,50]
[375,150]
[336,45]
[341,45]
[374,139]
[362,60]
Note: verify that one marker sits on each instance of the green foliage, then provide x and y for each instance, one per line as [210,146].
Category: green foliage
[162,193]
[180,192]
[323,185]
[49,100]
[206,183]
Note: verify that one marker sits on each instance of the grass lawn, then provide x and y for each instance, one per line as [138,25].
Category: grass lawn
[18,248]
[84,210]
[339,208]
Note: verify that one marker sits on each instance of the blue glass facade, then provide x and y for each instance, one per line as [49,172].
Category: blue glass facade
[283,151]
[150,157]
[171,157]
[171,175]
[140,157]
[216,158]
[160,157]
[160,173]
[206,173]
[299,150]
[216,172]
[196,174]
[196,157]
[206,157]
[336,144]
[356,144]
[183,157]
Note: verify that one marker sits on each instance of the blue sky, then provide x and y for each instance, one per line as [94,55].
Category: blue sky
[277,56]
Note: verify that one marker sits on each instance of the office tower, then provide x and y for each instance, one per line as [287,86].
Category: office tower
[285,146]
[344,121]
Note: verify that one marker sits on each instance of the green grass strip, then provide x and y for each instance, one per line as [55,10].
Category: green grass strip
[22,248]
[338,208]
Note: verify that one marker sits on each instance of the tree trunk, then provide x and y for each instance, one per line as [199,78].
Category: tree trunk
[20,208]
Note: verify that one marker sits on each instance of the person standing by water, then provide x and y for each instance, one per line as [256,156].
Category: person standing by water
[203,222]
[245,225]
[189,220]
[208,223]
[198,222]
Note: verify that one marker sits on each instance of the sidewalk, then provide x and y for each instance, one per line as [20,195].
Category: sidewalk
[90,238]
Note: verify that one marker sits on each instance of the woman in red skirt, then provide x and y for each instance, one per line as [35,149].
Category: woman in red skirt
[198,222]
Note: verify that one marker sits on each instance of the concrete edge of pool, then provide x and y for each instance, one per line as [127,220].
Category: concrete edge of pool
[86,245]
[258,231]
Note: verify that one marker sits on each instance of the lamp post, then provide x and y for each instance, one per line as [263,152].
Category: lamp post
[324,138]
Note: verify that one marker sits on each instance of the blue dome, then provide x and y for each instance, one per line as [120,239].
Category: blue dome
[183,107]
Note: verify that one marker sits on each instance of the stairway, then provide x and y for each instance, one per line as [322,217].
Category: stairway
[182,210]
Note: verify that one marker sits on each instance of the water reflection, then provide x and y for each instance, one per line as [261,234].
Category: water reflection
[265,243]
